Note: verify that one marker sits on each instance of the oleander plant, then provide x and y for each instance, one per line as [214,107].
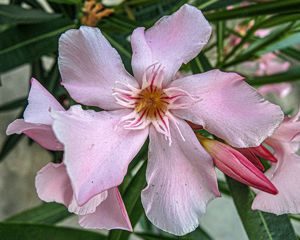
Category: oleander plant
[151,110]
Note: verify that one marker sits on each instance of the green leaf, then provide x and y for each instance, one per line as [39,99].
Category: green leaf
[254,10]
[24,44]
[287,41]
[279,19]
[152,236]
[12,105]
[195,235]
[220,28]
[258,45]
[13,14]
[24,231]
[200,64]
[9,143]
[48,213]
[293,74]
[130,198]
[199,233]
[66,1]
[259,225]
[292,53]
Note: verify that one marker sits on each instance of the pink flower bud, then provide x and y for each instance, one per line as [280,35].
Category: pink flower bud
[237,166]
[263,152]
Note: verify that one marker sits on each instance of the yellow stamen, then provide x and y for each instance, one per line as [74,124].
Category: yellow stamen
[152,103]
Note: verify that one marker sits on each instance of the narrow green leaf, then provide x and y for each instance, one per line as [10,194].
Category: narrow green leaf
[259,44]
[48,213]
[279,19]
[152,236]
[24,231]
[13,14]
[24,44]
[220,40]
[196,235]
[259,225]
[131,196]
[200,64]
[254,10]
[293,74]
[292,53]
[12,105]
[223,187]
[290,40]
[199,233]
[9,143]
[66,1]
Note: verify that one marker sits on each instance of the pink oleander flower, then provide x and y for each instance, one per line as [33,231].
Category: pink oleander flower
[235,165]
[267,65]
[105,210]
[100,145]
[285,173]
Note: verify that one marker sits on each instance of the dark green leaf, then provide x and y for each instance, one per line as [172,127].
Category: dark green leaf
[66,1]
[152,236]
[292,53]
[271,7]
[9,143]
[260,44]
[22,231]
[279,19]
[290,40]
[48,213]
[259,225]
[220,40]
[200,64]
[131,196]
[24,44]
[13,104]
[292,74]
[199,233]
[13,14]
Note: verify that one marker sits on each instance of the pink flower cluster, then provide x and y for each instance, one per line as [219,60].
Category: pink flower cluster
[181,180]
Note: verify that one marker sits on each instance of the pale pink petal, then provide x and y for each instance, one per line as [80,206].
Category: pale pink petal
[287,132]
[173,40]
[110,214]
[181,181]
[90,67]
[97,150]
[280,89]
[40,102]
[262,33]
[53,185]
[276,66]
[285,176]
[141,54]
[230,108]
[40,133]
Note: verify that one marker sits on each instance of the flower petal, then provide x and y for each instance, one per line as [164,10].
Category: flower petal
[53,185]
[280,89]
[181,181]
[97,149]
[90,67]
[230,108]
[285,176]
[110,214]
[40,133]
[40,102]
[173,40]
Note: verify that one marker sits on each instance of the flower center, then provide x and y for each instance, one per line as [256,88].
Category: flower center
[151,103]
